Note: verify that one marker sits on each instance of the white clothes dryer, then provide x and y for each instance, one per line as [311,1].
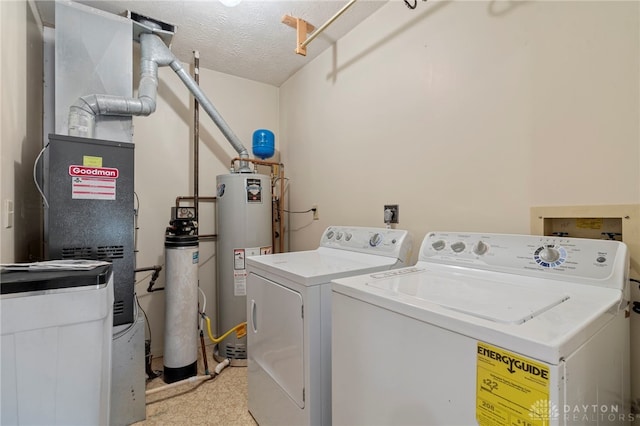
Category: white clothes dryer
[289,319]
[486,329]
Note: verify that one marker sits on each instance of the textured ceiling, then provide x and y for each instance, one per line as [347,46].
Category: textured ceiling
[248,40]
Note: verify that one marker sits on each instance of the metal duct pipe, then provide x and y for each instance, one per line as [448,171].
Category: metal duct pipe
[154,53]
[83,112]
[206,104]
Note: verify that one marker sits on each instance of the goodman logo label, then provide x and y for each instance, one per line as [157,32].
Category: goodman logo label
[99,172]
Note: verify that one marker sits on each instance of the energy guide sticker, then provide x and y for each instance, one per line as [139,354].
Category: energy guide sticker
[511,389]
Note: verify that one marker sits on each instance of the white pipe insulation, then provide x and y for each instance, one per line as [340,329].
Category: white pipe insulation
[154,53]
[193,379]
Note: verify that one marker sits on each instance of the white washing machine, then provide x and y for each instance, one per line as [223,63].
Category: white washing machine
[56,345]
[488,330]
[289,319]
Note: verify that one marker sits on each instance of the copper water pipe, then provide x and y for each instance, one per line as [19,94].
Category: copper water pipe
[261,162]
[188,197]
[200,199]
[207,236]
[281,209]
[196,134]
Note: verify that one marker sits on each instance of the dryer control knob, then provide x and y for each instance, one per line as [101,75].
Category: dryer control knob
[375,239]
[458,247]
[549,254]
[339,235]
[347,236]
[438,245]
[480,248]
[330,234]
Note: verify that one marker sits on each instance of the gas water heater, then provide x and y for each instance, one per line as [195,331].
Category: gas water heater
[243,222]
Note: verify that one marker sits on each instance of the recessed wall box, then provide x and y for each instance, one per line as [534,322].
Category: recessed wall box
[619,222]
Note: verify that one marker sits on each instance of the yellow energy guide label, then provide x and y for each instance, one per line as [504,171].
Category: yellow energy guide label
[511,390]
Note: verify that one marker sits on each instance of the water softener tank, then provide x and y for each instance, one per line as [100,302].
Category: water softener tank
[243,223]
[181,307]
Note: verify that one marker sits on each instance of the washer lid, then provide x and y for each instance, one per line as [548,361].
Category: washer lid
[319,266]
[27,282]
[547,319]
[494,301]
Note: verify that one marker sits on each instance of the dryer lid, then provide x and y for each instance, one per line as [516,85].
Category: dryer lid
[319,266]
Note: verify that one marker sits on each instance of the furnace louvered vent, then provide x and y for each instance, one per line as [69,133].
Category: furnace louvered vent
[118,308]
[77,253]
[107,253]
[104,253]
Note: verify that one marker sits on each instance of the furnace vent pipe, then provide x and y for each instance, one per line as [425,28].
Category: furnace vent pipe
[154,53]
[206,104]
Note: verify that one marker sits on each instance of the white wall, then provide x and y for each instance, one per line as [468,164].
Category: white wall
[466,114]
[164,169]
[20,129]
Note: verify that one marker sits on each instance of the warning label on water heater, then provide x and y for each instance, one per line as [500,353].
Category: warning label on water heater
[511,389]
[254,191]
[238,259]
[239,267]
[240,283]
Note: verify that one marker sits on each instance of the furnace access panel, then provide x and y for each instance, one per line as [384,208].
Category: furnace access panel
[88,185]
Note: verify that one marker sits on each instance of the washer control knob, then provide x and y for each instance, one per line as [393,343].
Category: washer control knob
[330,234]
[347,236]
[480,248]
[549,254]
[375,239]
[458,247]
[438,245]
[339,235]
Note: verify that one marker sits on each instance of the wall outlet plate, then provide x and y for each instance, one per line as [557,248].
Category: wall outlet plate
[391,213]
[8,213]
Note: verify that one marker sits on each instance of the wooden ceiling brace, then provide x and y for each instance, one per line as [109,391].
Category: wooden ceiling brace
[303,27]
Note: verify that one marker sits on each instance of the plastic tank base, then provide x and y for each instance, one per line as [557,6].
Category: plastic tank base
[171,375]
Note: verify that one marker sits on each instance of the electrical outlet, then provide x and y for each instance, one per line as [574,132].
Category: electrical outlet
[391,213]
[314,208]
[8,213]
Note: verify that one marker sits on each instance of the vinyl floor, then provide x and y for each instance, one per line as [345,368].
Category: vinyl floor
[218,401]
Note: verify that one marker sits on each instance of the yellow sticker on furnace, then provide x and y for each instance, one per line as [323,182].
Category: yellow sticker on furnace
[511,390]
[91,161]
